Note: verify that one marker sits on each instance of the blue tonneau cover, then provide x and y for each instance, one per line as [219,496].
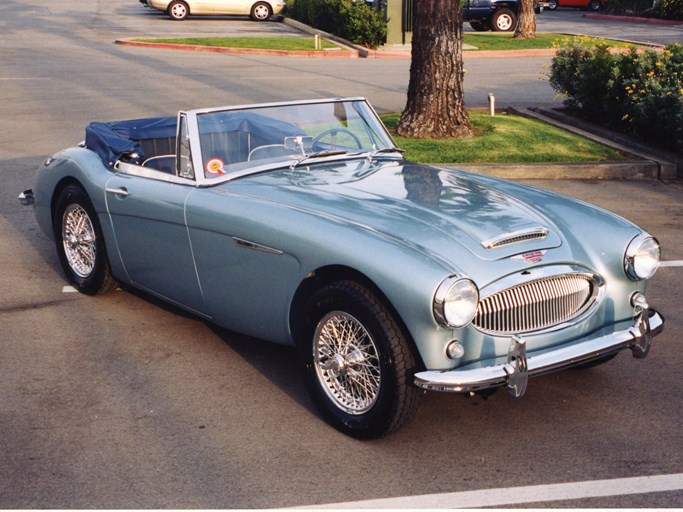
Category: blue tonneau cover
[112,140]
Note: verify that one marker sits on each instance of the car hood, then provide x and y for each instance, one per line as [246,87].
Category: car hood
[424,206]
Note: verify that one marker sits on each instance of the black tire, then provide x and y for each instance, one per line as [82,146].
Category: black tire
[178,10]
[80,244]
[261,11]
[357,362]
[594,5]
[552,4]
[480,26]
[503,20]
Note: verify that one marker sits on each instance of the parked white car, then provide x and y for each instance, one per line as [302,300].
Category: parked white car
[259,10]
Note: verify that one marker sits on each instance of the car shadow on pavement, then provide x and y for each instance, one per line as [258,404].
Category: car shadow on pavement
[277,363]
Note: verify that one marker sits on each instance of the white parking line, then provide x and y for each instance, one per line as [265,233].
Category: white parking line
[518,495]
[674,263]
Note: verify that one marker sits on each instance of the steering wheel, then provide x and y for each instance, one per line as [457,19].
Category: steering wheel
[333,132]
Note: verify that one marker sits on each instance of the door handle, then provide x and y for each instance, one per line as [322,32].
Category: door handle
[121,191]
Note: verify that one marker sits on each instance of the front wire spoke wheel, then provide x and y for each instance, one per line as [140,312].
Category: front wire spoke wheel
[78,237]
[357,360]
[347,362]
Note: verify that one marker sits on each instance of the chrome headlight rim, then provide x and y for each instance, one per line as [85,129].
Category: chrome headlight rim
[642,248]
[456,288]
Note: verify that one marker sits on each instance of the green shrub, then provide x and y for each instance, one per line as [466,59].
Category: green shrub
[352,20]
[640,93]
[627,7]
[663,9]
[669,10]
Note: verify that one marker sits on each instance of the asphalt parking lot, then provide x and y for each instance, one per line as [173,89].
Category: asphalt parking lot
[121,402]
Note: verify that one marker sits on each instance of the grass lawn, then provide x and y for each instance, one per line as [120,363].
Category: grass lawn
[266,43]
[543,40]
[482,41]
[503,139]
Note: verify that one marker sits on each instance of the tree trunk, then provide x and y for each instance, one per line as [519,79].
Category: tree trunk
[526,27]
[436,98]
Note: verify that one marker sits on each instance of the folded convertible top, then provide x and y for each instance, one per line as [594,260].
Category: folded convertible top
[112,140]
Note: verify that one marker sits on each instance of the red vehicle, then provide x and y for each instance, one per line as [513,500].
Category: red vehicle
[592,5]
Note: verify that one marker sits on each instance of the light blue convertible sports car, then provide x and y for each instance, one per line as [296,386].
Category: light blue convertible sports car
[301,223]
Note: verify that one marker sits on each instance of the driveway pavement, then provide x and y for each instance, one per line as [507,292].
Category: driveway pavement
[573,21]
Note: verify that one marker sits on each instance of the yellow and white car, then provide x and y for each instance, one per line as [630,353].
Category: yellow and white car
[258,10]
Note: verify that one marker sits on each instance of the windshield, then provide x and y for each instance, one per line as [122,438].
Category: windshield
[236,140]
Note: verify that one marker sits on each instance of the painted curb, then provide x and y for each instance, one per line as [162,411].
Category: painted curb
[347,54]
[632,19]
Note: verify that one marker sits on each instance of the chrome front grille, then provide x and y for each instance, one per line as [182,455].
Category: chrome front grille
[536,305]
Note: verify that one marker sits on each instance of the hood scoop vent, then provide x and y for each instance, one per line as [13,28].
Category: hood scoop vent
[524,235]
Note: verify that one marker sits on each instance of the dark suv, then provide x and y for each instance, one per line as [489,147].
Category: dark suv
[496,15]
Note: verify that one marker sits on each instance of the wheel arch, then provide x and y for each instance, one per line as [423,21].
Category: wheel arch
[115,264]
[332,273]
[513,6]
[61,185]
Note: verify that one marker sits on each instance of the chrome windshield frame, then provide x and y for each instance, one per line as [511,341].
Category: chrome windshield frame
[192,117]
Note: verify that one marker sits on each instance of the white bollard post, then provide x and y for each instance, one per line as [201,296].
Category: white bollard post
[492,104]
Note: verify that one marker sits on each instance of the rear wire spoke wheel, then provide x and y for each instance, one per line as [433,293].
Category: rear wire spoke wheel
[78,240]
[80,243]
[357,361]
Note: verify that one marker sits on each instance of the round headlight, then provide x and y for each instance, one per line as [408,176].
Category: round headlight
[456,301]
[642,257]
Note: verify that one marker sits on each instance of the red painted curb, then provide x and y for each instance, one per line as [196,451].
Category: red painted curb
[348,54]
[633,19]
[376,54]
[469,54]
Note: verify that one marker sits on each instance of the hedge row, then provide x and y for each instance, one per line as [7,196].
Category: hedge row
[353,20]
[662,9]
[669,10]
[639,93]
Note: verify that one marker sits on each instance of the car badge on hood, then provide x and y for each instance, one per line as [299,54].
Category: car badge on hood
[531,257]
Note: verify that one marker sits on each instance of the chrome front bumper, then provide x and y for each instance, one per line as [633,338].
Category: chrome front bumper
[515,373]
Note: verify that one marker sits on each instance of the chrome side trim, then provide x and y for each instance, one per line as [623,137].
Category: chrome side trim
[257,247]
[646,324]
[149,173]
